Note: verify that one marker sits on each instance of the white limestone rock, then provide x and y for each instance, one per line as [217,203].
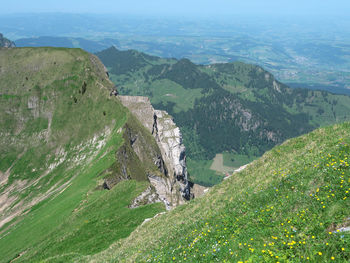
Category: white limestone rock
[174,188]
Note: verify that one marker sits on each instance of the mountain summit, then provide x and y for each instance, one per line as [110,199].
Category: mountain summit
[78,170]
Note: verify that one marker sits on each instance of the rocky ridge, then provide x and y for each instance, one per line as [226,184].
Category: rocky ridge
[174,187]
[69,150]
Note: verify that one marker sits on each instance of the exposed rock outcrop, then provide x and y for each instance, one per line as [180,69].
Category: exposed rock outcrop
[138,157]
[169,139]
[4,42]
[149,196]
[173,188]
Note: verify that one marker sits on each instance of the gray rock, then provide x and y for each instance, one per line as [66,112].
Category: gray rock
[149,196]
[174,188]
[4,42]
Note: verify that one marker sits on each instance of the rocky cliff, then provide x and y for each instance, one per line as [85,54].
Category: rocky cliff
[4,42]
[174,187]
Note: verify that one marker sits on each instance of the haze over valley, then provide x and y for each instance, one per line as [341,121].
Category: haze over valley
[304,51]
[174,132]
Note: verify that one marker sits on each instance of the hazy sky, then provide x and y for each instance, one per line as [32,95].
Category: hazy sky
[180,7]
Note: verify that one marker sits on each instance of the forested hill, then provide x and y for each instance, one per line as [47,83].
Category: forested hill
[233,107]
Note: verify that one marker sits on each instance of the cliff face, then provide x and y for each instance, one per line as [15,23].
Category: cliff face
[4,42]
[173,188]
[169,139]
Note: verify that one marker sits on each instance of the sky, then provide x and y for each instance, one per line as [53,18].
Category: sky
[180,7]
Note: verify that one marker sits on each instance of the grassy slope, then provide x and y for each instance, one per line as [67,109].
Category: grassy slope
[57,139]
[237,160]
[201,172]
[200,98]
[135,73]
[243,79]
[285,207]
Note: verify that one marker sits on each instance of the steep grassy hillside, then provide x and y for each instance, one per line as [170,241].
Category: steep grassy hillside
[291,205]
[242,108]
[63,141]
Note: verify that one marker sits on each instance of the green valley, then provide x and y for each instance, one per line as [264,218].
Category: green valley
[85,179]
[175,131]
[242,108]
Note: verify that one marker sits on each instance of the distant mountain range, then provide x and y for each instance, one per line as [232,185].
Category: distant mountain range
[68,42]
[292,58]
[232,107]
